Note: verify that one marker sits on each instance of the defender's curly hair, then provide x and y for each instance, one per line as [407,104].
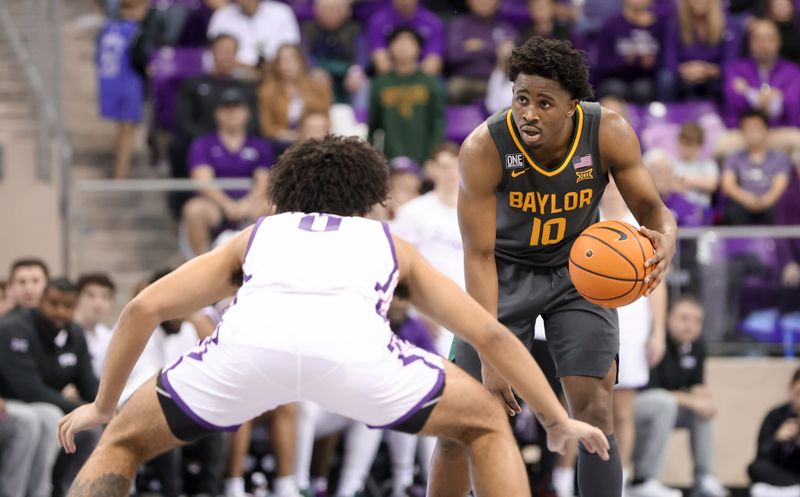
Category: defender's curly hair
[333,175]
[552,59]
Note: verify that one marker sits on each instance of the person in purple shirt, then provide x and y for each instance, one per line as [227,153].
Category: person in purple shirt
[629,48]
[406,13]
[472,43]
[120,87]
[763,81]
[754,179]
[698,45]
[686,212]
[228,153]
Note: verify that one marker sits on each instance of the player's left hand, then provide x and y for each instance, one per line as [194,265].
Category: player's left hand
[664,246]
[83,418]
[592,438]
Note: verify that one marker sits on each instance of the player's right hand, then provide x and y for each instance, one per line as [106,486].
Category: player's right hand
[592,437]
[500,387]
[83,418]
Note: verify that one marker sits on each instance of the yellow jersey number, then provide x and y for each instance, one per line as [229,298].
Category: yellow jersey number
[552,231]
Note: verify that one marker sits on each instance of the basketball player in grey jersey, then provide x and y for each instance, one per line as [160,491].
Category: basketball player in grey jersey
[532,177]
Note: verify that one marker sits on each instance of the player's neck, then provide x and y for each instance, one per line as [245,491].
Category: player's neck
[448,198]
[550,154]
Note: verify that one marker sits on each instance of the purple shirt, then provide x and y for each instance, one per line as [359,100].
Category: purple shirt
[415,331]
[787,211]
[784,76]
[676,53]
[208,150]
[686,212]
[619,38]
[757,178]
[424,22]
[475,63]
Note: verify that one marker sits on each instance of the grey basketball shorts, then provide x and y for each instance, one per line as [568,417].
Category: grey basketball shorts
[583,338]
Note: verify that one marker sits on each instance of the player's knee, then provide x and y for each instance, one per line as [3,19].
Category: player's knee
[121,445]
[492,421]
[595,410]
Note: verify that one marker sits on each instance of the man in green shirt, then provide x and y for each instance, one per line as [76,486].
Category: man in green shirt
[406,112]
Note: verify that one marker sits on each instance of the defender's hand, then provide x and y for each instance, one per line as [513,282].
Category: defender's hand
[83,418]
[664,246]
[592,438]
[500,387]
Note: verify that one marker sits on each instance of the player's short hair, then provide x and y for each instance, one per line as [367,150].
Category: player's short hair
[754,113]
[442,148]
[63,285]
[99,279]
[27,262]
[795,377]
[552,59]
[691,134]
[335,175]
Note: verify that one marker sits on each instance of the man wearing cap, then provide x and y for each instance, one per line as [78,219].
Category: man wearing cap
[227,153]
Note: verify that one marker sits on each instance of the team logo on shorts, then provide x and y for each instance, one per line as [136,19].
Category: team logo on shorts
[515,161]
[583,167]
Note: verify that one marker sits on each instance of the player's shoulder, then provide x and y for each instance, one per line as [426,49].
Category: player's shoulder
[479,144]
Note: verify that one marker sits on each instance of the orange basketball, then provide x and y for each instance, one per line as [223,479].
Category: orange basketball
[606,263]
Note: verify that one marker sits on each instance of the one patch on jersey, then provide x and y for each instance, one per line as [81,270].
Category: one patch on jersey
[515,161]
[19,345]
[583,175]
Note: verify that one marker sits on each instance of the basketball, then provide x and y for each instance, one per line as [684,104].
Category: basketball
[606,263]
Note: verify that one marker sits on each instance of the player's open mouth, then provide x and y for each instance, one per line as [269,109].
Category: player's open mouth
[530,134]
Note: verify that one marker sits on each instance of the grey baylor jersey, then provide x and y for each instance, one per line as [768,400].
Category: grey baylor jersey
[540,210]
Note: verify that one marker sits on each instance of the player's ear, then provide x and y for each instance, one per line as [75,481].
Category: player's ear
[571,105]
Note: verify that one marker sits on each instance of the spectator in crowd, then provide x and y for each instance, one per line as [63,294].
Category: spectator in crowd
[27,447]
[642,341]
[411,15]
[44,358]
[787,212]
[592,14]
[499,88]
[314,124]
[660,165]
[429,222]
[405,184]
[631,44]
[287,92]
[763,81]
[27,280]
[545,21]
[784,14]
[754,179]
[198,98]
[332,40]
[95,299]
[120,86]
[228,153]
[406,104]
[677,397]
[698,177]
[170,340]
[260,26]
[471,53]
[6,304]
[776,470]
[698,45]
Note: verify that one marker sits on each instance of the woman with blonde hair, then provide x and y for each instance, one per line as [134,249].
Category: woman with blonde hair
[698,44]
[289,91]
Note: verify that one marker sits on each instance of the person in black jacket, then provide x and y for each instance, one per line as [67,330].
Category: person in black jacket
[776,470]
[44,359]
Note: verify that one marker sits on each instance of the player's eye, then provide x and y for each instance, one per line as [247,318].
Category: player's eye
[544,104]
[522,100]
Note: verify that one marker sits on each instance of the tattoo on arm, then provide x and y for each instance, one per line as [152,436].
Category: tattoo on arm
[108,485]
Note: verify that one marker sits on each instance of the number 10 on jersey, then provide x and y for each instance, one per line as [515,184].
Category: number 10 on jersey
[547,233]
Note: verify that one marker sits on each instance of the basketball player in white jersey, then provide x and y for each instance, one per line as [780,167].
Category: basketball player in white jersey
[309,323]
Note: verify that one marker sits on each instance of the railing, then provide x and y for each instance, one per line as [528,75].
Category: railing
[733,271]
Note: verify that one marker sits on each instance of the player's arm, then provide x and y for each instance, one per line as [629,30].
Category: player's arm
[200,282]
[621,153]
[440,298]
[481,173]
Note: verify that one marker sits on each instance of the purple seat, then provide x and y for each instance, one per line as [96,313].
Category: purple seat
[461,120]
[168,68]
[516,13]
[661,124]
[163,4]
[303,9]
[762,248]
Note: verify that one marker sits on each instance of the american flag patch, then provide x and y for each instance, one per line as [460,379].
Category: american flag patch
[582,162]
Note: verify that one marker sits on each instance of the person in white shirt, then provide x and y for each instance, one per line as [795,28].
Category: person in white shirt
[95,300]
[259,26]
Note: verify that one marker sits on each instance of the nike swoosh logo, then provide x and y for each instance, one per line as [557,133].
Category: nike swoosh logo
[622,235]
[514,174]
